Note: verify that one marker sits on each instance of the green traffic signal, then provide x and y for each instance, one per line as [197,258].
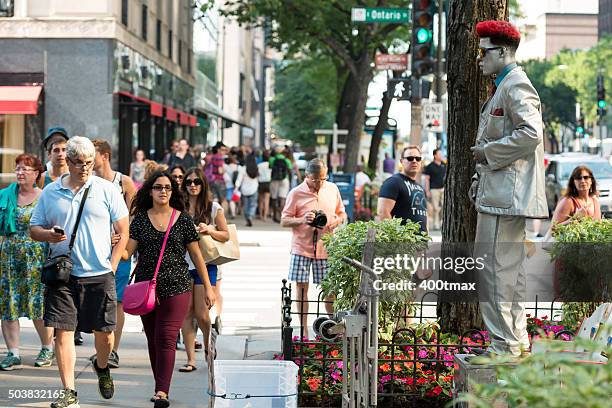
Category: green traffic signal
[423,35]
[601,103]
[580,129]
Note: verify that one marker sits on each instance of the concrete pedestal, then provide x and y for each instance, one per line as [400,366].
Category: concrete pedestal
[466,375]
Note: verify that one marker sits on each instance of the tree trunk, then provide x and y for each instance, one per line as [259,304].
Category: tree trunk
[379,130]
[467,90]
[351,112]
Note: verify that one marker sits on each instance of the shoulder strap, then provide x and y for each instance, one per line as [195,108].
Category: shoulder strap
[161,254]
[78,219]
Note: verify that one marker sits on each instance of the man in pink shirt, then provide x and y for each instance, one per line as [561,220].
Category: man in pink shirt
[314,194]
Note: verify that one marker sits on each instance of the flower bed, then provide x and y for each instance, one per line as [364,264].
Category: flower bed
[416,365]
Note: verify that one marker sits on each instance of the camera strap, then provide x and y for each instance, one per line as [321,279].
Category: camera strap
[315,238]
[78,219]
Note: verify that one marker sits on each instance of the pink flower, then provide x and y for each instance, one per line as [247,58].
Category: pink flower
[385,379]
[340,364]
[422,354]
[335,375]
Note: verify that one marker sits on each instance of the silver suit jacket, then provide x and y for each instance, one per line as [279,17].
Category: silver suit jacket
[511,131]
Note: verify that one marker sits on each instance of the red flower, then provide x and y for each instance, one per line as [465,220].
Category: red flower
[421,381]
[385,367]
[334,353]
[437,390]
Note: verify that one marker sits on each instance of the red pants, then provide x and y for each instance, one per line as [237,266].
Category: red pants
[162,327]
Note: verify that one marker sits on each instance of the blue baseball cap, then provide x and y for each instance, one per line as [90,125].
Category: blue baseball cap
[52,133]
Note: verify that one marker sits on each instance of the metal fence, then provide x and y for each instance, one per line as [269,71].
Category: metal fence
[416,353]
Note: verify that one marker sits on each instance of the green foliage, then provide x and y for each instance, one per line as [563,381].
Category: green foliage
[305,98]
[583,249]
[580,74]
[557,98]
[551,379]
[343,280]
[575,312]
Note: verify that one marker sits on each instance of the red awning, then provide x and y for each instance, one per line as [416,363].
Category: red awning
[171,114]
[193,121]
[19,100]
[156,108]
[183,118]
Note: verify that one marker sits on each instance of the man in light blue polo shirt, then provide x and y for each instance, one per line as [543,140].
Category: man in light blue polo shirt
[88,301]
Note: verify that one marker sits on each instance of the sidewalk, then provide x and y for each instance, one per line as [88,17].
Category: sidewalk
[133,380]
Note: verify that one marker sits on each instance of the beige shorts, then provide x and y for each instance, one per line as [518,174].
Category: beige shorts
[279,188]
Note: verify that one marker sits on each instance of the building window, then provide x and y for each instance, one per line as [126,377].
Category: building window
[124,12]
[241,92]
[189,62]
[170,41]
[145,12]
[158,38]
[180,53]
[7,8]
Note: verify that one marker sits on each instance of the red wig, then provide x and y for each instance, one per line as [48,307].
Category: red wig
[500,32]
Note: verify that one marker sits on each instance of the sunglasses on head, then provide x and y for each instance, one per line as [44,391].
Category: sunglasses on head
[413,158]
[195,182]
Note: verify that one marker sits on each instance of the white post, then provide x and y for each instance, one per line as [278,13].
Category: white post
[334,145]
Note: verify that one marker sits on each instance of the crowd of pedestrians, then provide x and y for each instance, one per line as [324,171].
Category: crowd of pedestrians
[111,226]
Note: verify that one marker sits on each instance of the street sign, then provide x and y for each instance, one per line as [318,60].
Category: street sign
[394,62]
[380,15]
[399,88]
[431,117]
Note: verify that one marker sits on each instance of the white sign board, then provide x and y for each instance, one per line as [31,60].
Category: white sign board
[432,117]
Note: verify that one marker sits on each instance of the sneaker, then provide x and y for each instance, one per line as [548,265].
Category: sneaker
[113,359]
[106,387]
[78,339]
[45,358]
[10,363]
[67,399]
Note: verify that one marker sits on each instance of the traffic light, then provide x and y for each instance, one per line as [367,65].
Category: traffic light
[422,37]
[601,96]
[580,126]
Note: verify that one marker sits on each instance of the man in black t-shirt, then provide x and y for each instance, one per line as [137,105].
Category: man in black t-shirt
[401,196]
[435,172]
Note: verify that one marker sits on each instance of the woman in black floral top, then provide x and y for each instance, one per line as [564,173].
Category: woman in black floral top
[151,209]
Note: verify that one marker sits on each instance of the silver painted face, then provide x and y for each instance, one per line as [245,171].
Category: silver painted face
[490,57]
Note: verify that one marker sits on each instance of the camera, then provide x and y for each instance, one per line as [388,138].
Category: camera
[320,219]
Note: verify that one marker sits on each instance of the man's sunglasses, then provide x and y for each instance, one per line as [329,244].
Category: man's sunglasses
[195,182]
[413,158]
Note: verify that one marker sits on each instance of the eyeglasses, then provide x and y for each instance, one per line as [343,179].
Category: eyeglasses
[81,165]
[195,182]
[413,158]
[482,52]
[159,187]
[583,178]
[177,176]
[319,180]
[23,169]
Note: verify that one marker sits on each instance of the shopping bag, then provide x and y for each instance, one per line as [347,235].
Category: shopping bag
[219,253]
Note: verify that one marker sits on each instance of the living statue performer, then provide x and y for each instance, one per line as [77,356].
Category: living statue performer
[507,188]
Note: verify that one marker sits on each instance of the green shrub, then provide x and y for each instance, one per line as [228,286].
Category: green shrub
[343,280]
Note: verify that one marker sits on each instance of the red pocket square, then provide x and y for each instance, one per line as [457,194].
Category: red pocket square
[498,112]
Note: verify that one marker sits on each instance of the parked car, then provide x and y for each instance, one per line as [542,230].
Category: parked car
[560,168]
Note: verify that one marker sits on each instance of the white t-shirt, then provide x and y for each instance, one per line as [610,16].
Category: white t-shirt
[265,172]
[248,185]
[361,179]
[216,207]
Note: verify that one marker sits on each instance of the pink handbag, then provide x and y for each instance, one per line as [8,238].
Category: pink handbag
[139,298]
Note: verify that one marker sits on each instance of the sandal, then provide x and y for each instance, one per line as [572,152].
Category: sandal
[161,402]
[187,368]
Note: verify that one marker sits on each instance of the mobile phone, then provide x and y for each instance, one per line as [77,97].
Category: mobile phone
[58,230]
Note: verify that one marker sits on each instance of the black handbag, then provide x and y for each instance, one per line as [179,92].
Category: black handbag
[57,270]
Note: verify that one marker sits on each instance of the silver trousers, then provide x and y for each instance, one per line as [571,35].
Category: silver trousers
[502,281]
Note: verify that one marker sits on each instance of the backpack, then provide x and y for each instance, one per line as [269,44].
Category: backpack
[279,169]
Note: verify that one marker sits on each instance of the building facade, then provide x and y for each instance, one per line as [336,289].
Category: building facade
[121,70]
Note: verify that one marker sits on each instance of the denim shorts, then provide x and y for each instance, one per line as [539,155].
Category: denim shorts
[212,275]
